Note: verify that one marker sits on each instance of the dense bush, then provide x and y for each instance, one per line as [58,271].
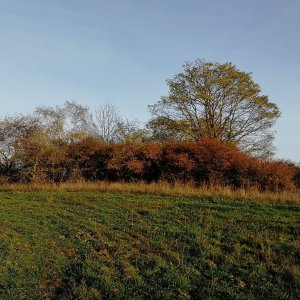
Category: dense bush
[133,162]
[88,160]
[207,161]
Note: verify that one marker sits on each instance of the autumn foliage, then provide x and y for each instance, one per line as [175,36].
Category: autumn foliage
[205,162]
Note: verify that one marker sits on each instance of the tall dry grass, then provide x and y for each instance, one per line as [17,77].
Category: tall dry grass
[159,188]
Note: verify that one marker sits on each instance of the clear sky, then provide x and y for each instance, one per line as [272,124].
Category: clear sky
[122,51]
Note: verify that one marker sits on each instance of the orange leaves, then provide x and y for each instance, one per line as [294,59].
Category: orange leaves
[134,161]
[203,161]
[181,160]
[135,165]
[276,175]
[206,161]
[151,151]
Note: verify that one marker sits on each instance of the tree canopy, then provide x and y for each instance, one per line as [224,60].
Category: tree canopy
[218,101]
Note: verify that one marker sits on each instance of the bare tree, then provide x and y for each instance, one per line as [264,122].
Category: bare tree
[72,121]
[78,119]
[130,131]
[106,122]
[110,127]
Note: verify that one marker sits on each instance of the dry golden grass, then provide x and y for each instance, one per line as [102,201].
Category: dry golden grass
[159,188]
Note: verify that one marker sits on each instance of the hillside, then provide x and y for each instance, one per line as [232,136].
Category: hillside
[106,245]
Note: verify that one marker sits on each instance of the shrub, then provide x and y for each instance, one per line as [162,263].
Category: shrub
[91,157]
[207,161]
[132,161]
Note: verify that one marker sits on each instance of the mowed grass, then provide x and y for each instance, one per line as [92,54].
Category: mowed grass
[91,245]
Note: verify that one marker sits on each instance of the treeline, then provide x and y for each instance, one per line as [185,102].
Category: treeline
[207,161]
[70,143]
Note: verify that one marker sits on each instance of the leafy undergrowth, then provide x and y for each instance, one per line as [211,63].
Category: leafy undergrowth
[67,245]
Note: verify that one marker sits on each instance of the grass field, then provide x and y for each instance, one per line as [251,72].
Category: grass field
[92,245]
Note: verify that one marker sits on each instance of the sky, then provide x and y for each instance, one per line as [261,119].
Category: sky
[123,51]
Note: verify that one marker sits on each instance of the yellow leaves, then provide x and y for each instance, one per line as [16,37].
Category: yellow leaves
[77,136]
[242,284]
[221,94]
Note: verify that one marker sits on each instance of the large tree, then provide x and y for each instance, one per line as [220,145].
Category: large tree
[215,100]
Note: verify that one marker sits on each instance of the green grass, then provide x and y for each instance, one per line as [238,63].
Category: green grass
[67,245]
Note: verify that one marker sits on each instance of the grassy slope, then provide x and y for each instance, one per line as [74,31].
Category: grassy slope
[92,245]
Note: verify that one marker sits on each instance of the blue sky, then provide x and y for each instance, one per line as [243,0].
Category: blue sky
[122,51]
